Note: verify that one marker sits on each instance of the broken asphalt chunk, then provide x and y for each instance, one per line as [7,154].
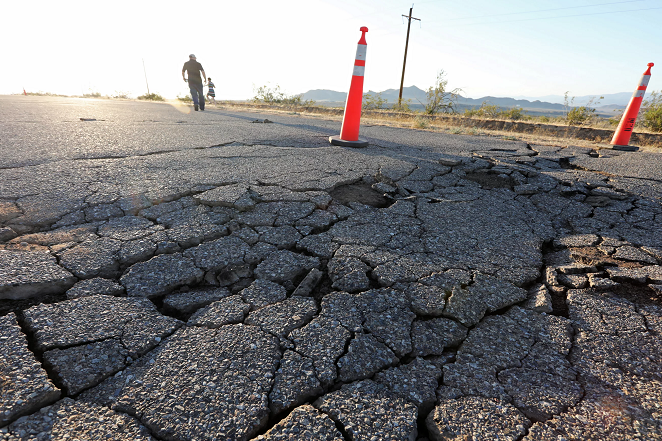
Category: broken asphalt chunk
[202,377]
[25,274]
[476,418]
[160,275]
[305,423]
[295,382]
[68,419]
[368,410]
[24,385]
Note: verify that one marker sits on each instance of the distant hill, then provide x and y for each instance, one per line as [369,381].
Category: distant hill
[510,102]
[610,99]
[417,96]
[412,92]
[553,106]
[324,95]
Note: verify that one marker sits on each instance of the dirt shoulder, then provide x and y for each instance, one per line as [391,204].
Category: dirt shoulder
[537,133]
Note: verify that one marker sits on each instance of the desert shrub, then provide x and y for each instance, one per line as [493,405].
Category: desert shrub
[185,99]
[514,114]
[151,97]
[577,116]
[438,98]
[402,106]
[484,111]
[421,122]
[373,101]
[92,94]
[651,112]
[40,93]
[121,95]
[613,122]
[273,95]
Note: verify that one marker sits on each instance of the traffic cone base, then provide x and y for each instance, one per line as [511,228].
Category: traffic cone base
[336,140]
[625,148]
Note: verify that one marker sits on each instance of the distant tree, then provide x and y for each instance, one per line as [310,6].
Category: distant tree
[438,98]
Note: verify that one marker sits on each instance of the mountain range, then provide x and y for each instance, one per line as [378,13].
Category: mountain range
[550,104]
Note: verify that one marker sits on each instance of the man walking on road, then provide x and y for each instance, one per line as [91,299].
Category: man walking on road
[195,83]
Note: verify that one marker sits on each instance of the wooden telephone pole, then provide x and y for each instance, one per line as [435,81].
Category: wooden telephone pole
[145,70]
[404,63]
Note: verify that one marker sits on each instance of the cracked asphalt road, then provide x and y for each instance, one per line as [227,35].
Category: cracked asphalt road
[178,275]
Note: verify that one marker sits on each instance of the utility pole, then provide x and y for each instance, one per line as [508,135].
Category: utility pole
[404,63]
[145,70]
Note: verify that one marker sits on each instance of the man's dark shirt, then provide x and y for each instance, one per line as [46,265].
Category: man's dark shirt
[193,68]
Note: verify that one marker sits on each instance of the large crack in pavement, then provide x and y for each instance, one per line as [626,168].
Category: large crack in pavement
[485,245]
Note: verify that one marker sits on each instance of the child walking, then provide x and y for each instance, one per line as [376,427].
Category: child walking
[211,94]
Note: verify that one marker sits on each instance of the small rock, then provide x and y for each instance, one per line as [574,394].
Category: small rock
[309,283]
[539,299]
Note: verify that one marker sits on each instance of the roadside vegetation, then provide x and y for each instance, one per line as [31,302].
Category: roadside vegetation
[491,111]
[273,95]
[651,112]
[440,99]
[43,94]
[580,115]
[374,101]
[121,95]
[151,97]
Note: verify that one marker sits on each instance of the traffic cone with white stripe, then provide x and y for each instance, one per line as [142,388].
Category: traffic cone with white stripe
[624,130]
[351,122]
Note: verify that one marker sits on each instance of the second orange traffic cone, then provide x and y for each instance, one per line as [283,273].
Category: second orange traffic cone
[351,122]
[623,132]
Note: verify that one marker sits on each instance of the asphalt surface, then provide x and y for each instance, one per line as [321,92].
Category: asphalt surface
[177,275]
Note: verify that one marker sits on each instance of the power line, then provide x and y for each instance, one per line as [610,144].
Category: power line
[543,10]
[547,18]
[530,19]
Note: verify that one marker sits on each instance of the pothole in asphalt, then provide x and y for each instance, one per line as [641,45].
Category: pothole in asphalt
[559,303]
[489,180]
[362,193]
[593,256]
[638,294]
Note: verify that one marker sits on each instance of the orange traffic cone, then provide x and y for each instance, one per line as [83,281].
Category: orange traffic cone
[624,130]
[351,122]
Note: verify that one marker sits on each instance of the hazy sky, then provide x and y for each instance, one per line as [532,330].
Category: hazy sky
[487,47]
